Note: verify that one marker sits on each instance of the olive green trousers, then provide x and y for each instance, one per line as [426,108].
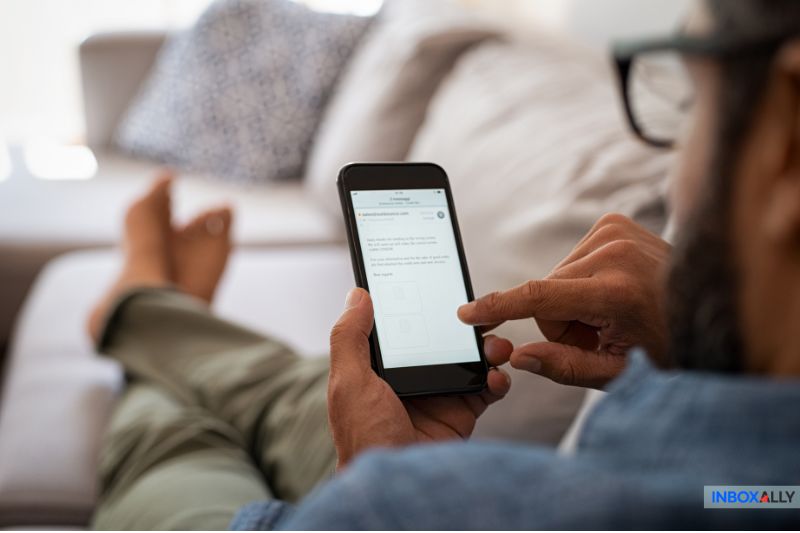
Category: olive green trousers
[213,416]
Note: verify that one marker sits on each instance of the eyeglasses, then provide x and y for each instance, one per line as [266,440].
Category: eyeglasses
[658,92]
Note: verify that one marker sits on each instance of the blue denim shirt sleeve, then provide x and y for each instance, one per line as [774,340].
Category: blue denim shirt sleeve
[450,486]
[506,487]
[260,516]
[647,451]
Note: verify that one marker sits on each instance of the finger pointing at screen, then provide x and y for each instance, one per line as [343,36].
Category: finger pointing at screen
[600,301]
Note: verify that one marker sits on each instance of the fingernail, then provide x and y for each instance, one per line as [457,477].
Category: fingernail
[506,377]
[353,297]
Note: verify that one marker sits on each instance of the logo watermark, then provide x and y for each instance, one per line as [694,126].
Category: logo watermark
[751,496]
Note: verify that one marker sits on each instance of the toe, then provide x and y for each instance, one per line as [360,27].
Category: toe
[214,222]
[164,177]
[218,222]
[194,226]
[161,194]
[166,172]
[156,201]
[225,216]
[197,226]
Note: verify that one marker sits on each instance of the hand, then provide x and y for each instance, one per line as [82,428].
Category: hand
[604,298]
[363,410]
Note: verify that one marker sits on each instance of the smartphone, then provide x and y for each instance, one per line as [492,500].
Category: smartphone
[407,252]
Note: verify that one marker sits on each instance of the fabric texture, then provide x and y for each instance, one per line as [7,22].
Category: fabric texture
[380,102]
[214,417]
[239,95]
[532,136]
[647,451]
[260,516]
[47,475]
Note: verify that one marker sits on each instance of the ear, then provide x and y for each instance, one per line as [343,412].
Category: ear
[782,218]
[788,64]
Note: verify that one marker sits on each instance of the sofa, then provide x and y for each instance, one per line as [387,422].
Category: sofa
[525,123]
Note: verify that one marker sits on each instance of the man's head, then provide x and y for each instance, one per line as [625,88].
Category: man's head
[735,285]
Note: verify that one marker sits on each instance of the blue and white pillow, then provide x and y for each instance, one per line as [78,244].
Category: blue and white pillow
[240,94]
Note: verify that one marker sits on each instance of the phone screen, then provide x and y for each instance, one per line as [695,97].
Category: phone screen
[414,277]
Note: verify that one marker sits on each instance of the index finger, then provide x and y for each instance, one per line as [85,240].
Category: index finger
[548,299]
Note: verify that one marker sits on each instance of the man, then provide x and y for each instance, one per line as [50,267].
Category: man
[216,416]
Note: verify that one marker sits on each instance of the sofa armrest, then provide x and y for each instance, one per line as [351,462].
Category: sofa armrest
[113,66]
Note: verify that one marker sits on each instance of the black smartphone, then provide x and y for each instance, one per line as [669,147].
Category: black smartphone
[407,252]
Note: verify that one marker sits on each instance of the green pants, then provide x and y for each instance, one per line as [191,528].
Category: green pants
[213,417]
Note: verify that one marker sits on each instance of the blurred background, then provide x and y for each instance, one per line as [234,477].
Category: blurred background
[39,51]
[39,40]
[257,104]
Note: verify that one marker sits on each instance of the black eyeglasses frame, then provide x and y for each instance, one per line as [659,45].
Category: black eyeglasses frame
[713,46]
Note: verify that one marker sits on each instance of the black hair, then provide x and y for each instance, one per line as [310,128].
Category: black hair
[744,75]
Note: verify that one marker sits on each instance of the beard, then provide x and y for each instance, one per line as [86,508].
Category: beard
[704,326]
[701,305]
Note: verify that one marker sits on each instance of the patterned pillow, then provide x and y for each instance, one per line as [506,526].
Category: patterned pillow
[239,95]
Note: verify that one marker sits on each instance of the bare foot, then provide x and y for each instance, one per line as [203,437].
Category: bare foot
[147,249]
[148,232]
[200,252]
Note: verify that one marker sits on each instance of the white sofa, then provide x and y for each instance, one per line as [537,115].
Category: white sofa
[519,215]
[40,219]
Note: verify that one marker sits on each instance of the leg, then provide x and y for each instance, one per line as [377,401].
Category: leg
[274,399]
[168,466]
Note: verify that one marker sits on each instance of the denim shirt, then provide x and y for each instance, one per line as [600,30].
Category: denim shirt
[643,457]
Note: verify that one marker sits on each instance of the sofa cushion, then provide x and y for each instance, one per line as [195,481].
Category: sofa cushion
[67,214]
[239,94]
[50,425]
[533,139]
[380,102]
[57,393]
[113,66]
[40,219]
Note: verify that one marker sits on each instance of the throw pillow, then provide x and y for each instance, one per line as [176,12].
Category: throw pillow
[380,102]
[239,94]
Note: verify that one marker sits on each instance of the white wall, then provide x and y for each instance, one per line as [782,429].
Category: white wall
[598,21]
[39,77]
[40,90]
[595,22]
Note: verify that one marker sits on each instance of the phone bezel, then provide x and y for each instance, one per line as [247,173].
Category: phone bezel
[452,378]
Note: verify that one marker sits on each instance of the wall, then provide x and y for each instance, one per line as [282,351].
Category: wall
[595,22]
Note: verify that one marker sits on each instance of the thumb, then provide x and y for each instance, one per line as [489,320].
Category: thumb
[568,365]
[350,334]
